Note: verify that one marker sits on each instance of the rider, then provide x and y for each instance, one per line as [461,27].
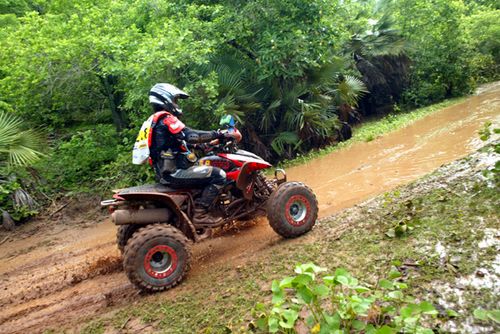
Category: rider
[170,156]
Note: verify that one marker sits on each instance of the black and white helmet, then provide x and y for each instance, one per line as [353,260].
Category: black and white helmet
[164,96]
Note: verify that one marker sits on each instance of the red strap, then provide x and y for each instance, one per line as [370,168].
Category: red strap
[156,117]
[174,124]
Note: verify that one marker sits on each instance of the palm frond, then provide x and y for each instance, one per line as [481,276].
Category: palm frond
[269,115]
[381,39]
[349,90]
[328,72]
[18,147]
[285,138]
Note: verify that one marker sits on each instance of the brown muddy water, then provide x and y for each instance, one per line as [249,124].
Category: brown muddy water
[67,274]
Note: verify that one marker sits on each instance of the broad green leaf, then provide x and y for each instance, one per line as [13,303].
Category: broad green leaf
[333,321]
[321,290]
[386,330]
[358,325]
[361,289]
[290,316]
[427,308]
[262,323]
[451,313]
[286,282]
[408,310]
[308,268]
[394,273]
[400,285]
[275,287]
[278,293]
[341,272]
[305,294]
[353,282]
[494,315]
[386,284]
[395,294]
[342,280]
[370,329]
[278,297]
[480,314]
[329,280]
[273,325]
[302,279]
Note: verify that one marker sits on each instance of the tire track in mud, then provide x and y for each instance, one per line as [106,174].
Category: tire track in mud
[55,294]
[70,274]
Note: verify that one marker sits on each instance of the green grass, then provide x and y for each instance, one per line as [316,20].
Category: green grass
[372,129]
[220,301]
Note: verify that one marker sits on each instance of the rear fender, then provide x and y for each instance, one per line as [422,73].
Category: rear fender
[171,201]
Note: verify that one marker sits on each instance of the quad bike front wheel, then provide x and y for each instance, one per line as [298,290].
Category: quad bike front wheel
[292,209]
[157,257]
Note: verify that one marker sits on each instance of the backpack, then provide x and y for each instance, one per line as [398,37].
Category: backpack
[141,152]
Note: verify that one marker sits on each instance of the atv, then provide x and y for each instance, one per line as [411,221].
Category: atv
[155,229]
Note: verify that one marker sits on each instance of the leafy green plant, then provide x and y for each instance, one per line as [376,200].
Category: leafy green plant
[487,315]
[339,303]
[485,132]
[79,160]
[407,210]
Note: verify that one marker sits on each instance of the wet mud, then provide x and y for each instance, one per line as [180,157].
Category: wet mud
[58,276]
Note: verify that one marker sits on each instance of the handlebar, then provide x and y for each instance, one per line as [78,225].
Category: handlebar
[222,145]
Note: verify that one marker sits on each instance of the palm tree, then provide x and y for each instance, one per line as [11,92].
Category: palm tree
[282,117]
[18,148]
[379,54]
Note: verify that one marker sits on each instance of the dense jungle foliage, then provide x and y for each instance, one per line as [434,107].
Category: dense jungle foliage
[295,73]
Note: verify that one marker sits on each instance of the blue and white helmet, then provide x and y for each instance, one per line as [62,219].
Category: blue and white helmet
[165,96]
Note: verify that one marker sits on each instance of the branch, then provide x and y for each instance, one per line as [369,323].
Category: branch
[238,47]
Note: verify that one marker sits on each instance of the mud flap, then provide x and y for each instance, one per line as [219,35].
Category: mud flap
[245,181]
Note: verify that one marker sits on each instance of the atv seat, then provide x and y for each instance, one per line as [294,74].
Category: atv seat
[147,188]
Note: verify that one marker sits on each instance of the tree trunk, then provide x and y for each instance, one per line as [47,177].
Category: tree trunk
[114,101]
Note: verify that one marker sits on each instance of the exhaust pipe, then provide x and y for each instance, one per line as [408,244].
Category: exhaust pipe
[143,216]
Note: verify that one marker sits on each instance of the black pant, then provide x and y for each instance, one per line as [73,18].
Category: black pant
[211,178]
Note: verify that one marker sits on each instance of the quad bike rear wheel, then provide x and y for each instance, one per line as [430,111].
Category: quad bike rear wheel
[157,257]
[292,209]
[123,233]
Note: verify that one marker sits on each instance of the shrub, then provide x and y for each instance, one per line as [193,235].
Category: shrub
[339,303]
[78,162]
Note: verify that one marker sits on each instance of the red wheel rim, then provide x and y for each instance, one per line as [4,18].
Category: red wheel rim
[160,261]
[297,210]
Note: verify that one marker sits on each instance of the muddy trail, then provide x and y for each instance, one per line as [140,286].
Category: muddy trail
[55,275]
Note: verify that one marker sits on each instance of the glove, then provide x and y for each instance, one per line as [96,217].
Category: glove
[223,135]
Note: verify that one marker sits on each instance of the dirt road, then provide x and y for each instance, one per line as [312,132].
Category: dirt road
[55,275]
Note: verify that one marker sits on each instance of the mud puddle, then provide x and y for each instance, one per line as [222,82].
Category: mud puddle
[349,176]
[57,278]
